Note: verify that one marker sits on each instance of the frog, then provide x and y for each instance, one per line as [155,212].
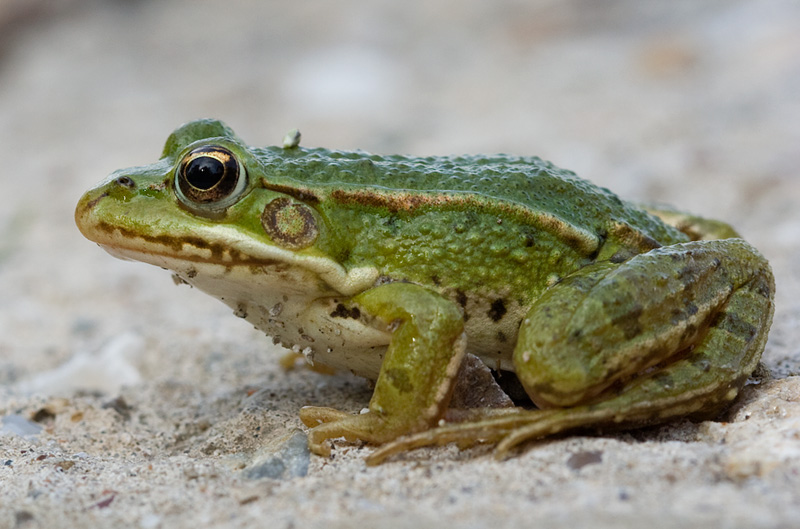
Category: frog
[609,314]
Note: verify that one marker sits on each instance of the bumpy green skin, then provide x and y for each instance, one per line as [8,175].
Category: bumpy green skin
[394,267]
[469,222]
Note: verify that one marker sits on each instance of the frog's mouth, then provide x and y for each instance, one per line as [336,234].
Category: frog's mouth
[225,246]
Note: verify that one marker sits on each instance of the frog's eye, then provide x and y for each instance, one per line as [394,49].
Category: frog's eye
[210,176]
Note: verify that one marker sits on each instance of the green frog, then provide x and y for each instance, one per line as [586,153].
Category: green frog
[395,268]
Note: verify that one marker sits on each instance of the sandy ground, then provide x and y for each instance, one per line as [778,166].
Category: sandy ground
[128,402]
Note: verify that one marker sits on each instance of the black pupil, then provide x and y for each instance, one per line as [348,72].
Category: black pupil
[204,172]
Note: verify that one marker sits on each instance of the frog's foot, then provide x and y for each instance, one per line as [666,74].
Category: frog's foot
[479,426]
[328,423]
[507,428]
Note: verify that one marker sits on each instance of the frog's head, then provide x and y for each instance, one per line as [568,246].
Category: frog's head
[209,201]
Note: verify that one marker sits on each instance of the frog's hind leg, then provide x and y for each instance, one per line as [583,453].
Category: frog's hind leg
[671,333]
[698,385]
[726,309]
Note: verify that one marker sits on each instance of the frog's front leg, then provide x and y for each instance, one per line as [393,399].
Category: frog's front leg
[416,378]
[674,332]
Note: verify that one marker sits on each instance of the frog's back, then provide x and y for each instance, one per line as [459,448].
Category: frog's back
[524,183]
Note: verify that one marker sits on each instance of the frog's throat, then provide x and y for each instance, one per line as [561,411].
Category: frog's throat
[346,282]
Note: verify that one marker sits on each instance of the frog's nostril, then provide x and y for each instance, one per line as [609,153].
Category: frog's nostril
[125,181]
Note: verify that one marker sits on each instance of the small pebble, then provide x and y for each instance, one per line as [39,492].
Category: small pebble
[19,425]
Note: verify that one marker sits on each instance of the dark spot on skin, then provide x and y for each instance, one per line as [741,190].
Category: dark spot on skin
[762,287]
[497,310]
[528,237]
[461,299]
[501,337]
[703,365]
[688,273]
[393,224]
[344,255]
[399,378]
[735,325]
[628,322]
[343,312]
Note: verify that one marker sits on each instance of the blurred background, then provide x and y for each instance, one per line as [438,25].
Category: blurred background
[159,397]
[691,103]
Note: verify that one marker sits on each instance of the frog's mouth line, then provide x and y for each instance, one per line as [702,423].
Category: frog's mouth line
[175,256]
[157,258]
[239,249]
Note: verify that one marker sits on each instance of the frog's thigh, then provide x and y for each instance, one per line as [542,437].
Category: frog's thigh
[608,324]
[414,385]
[698,385]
